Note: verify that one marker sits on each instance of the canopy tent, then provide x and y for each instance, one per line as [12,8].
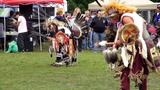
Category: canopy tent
[140,4]
[16,2]
[25,2]
[94,6]
[1,1]
[150,6]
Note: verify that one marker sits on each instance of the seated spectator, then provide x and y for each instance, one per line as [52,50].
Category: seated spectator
[12,47]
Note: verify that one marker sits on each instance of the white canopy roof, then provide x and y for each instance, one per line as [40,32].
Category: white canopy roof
[140,4]
[93,6]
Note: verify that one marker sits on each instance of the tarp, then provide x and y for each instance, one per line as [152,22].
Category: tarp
[16,2]
[140,4]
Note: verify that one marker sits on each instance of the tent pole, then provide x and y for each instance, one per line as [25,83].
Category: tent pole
[39,24]
[4,28]
[149,16]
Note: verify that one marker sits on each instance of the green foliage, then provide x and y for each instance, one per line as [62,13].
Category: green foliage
[32,71]
[155,0]
[82,4]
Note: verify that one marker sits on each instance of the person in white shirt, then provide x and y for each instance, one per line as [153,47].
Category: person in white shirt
[22,32]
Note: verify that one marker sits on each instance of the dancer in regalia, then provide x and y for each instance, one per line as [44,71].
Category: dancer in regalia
[134,41]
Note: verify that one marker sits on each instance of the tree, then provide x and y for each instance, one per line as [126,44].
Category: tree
[82,4]
[155,0]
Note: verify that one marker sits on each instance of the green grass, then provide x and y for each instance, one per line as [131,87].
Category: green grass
[32,71]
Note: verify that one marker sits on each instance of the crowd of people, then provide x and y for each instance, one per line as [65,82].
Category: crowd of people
[95,23]
[99,28]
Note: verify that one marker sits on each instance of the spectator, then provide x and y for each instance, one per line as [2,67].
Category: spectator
[98,24]
[12,47]
[156,17]
[22,32]
[76,14]
[87,33]
[68,15]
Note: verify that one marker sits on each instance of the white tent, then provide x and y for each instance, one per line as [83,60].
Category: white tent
[93,6]
[140,4]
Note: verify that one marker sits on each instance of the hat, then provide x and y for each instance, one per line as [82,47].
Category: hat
[113,8]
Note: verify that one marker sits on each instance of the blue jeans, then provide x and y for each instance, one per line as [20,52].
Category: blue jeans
[84,43]
[90,39]
[98,37]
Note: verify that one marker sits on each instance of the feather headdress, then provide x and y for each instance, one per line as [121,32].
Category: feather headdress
[116,6]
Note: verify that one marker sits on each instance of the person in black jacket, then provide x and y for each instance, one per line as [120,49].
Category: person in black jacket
[99,24]
[156,16]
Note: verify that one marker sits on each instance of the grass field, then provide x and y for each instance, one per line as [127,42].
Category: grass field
[32,71]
